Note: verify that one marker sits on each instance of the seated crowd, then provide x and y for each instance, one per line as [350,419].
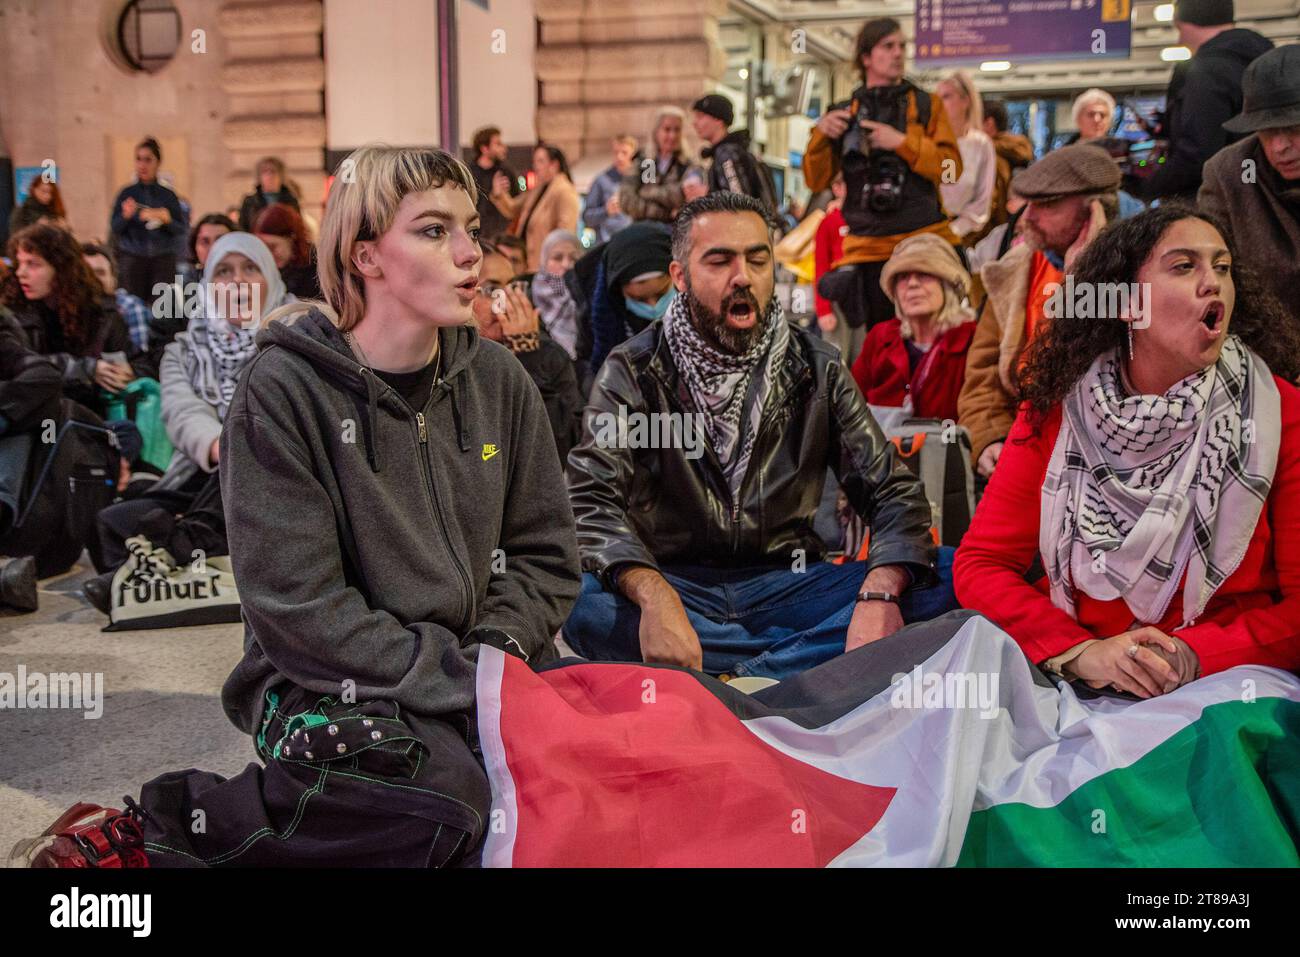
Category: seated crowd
[1138,524]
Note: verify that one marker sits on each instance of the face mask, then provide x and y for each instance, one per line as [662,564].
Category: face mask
[646,311]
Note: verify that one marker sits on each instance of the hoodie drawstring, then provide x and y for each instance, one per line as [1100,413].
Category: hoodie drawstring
[372,424]
[457,401]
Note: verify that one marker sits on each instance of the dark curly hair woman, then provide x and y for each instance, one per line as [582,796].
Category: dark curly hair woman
[1154,468]
[65,314]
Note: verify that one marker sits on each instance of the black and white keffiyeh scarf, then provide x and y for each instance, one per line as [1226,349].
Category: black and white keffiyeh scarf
[219,349]
[1141,489]
[558,310]
[720,382]
[217,354]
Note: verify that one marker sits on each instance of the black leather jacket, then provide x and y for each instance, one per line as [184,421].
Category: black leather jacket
[652,506]
[109,334]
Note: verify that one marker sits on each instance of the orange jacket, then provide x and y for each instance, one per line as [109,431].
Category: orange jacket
[924,149]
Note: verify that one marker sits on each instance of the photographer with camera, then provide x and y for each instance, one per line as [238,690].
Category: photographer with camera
[894,144]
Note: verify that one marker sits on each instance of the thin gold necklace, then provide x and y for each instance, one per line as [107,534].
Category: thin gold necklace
[361,353]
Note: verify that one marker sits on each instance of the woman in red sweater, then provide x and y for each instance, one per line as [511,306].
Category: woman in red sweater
[917,359]
[1155,469]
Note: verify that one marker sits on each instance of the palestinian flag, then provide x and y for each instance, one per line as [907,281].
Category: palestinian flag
[941,745]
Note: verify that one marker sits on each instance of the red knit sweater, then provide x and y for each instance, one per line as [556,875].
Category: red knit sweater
[1254,617]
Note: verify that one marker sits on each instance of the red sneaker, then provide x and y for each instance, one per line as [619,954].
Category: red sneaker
[86,835]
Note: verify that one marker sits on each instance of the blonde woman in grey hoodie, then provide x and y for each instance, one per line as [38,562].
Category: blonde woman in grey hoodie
[395,503]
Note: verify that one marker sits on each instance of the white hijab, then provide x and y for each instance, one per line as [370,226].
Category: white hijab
[218,349]
[248,245]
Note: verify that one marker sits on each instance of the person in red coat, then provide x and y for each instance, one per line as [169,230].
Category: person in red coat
[917,359]
[1154,467]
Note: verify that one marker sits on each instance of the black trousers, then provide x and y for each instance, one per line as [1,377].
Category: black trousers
[181,520]
[856,291]
[139,274]
[329,793]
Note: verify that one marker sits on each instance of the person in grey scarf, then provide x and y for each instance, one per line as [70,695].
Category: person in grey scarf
[704,454]
[560,250]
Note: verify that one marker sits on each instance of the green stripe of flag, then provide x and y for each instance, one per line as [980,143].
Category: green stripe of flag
[1222,792]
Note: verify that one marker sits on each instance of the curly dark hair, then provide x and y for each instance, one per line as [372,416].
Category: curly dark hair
[211,219]
[1061,353]
[77,294]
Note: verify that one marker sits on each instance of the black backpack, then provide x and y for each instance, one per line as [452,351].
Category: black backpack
[68,482]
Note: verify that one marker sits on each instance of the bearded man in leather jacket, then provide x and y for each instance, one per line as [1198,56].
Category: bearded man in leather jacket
[705,447]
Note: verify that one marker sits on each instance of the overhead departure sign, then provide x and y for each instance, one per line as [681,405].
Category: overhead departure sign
[968,31]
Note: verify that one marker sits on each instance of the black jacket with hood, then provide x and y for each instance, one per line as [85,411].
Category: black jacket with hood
[737,170]
[1202,96]
[380,544]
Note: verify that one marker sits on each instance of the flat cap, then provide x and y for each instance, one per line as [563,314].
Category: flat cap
[1070,171]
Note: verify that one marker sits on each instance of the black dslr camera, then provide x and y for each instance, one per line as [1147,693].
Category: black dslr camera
[880,174]
[886,174]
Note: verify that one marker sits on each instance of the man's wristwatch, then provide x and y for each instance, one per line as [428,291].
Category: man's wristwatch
[877,596]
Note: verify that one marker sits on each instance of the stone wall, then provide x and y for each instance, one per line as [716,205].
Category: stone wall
[605,66]
[62,97]
[249,84]
[274,77]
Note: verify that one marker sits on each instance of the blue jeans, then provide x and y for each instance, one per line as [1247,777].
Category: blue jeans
[768,622]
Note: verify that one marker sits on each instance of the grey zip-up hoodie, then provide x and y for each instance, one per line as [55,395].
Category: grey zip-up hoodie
[369,540]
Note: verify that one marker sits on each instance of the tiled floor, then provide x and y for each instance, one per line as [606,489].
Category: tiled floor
[161,709]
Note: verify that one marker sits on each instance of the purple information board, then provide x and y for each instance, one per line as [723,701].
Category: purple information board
[957,31]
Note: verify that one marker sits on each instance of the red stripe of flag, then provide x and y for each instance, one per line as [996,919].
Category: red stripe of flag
[619,765]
